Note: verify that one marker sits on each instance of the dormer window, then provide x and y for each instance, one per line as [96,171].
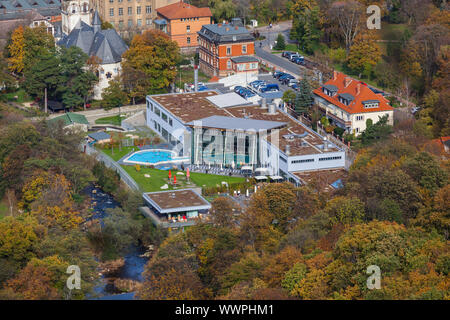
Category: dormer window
[371,103]
[330,90]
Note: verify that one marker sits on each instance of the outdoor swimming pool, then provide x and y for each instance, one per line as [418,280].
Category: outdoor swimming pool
[156,156]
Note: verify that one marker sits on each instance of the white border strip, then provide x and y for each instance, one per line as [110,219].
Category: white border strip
[175,159]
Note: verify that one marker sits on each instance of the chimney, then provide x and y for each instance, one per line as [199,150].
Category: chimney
[325,144]
[347,81]
[335,75]
[272,108]
[263,103]
[195,78]
[358,88]
[287,150]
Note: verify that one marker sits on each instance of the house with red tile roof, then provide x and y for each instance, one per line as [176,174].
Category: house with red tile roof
[181,21]
[349,103]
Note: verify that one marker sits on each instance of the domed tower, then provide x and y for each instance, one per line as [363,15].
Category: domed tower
[73,11]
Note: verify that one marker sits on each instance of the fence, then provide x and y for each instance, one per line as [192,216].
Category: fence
[110,163]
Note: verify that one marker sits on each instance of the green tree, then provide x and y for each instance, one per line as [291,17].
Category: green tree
[304,98]
[281,43]
[222,9]
[113,96]
[150,63]
[77,82]
[377,131]
[306,27]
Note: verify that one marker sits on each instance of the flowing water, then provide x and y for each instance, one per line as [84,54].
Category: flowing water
[134,262]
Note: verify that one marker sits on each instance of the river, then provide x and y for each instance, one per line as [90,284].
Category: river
[134,262]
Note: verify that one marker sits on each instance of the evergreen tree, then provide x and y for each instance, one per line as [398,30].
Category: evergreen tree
[281,43]
[304,98]
[114,96]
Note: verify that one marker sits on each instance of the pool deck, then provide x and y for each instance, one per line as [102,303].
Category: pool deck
[176,160]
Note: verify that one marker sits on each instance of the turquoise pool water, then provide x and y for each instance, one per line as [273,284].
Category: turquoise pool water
[151,156]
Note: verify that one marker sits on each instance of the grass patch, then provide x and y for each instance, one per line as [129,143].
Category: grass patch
[117,155]
[114,120]
[158,178]
[3,210]
[186,75]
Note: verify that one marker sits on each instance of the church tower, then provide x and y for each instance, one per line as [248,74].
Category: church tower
[73,11]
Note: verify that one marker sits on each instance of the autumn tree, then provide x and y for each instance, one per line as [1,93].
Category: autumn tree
[348,16]
[364,54]
[153,56]
[222,211]
[306,24]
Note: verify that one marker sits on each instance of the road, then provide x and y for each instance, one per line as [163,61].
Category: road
[278,61]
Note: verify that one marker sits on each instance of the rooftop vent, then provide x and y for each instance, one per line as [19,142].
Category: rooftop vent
[287,150]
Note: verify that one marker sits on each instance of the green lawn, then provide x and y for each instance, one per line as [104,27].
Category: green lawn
[115,120]
[117,155]
[158,178]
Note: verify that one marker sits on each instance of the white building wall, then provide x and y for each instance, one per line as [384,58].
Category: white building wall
[72,12]
[329,160]
[359,126]
[175,127]
[113,69]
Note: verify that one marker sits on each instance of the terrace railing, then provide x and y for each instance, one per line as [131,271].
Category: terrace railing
[110,163]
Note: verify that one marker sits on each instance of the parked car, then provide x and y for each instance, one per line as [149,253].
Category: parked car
[277,74]
[291,82]
[286,53]
[280,75]
[294,56]
[285,76]
[237,88]
[271,87]
[295,86]
[290,54]
[299,60]
[257,83]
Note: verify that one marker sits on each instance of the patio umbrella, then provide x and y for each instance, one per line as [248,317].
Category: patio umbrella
[187,173]
[170,174]
[174,179]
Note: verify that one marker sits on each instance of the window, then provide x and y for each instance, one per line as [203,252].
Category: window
[302,161]
[148,21]
[283,159]
[170,122]
[138,10]
[139,22]
[111,1]
[120,1]
[188,29]
[148,9]
[357,130]
[228,51]
[120,22]
[229,64]
[130,11]
[244,48]
[188,40]
[120,11]
[253,66]
[130,23]
[330,158]
[111,12]
[359,118]
[164,116]
[158,113]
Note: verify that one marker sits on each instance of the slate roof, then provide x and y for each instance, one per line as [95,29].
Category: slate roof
[180,10]
[105,44]
[19,9]
[100,135]
[229,32]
